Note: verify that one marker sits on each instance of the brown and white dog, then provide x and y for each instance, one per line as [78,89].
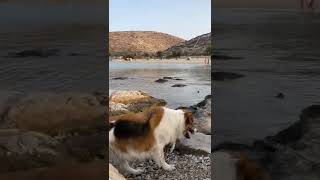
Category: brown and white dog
[144,135]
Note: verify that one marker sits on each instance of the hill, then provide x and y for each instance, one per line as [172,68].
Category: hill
[198,46]
[140,42]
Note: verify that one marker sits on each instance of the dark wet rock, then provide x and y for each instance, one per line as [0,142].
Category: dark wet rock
[172,78]
[161,80]
[291,154]
[53,113]
[120,78]
[35,53]
[24,150]
[86,147]
[202,115]
[224,57]
[279,96]
[222,76]
[178,85]
[197,142]
[122,102]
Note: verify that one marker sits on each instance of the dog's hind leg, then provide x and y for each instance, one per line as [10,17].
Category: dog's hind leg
[158,156]
[125,165]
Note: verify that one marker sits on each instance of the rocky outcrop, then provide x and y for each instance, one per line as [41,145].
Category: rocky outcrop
[121,102]
[46,129]
[55,113]
[202,115]
[198,143]
[292,154]
[24,150]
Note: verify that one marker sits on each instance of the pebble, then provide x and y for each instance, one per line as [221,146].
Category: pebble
[188,166]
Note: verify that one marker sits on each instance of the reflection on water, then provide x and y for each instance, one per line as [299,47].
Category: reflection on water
[142,76]
[280,51]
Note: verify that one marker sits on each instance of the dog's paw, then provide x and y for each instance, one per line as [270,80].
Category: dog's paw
[168,167]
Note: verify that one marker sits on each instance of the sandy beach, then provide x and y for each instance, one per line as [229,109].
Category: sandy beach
[182,60]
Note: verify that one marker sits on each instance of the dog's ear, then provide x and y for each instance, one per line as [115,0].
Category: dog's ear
[189,118]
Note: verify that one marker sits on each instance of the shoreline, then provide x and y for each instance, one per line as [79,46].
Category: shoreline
[192,60]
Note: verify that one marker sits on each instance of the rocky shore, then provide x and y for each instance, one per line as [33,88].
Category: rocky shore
[48,131]
[191,157]
[291,154]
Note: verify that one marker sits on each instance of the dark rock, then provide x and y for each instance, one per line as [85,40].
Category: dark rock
[280,95]
[35,53]
[167,77]
[120,78]
[222,76]
[178,85]
[161,80]
[22,150]
[172,78]
[178,79]
[197,142]
[53,113]
[224,57]
[293,153]
[86,148]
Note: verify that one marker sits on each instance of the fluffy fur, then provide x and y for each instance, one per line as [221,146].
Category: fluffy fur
[144,135]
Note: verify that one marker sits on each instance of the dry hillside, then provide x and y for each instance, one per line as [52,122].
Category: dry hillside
[200,45]
[140,42]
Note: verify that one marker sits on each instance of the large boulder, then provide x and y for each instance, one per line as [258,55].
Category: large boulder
[56,113]
[122,102]
[24,150]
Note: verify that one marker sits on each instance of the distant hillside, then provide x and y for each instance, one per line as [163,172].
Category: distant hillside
[140,42]
[200,45]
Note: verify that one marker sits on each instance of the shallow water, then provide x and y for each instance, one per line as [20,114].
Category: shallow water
[280,51]
[80,63]
[141,76]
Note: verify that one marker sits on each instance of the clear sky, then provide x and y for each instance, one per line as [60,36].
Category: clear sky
[183,18]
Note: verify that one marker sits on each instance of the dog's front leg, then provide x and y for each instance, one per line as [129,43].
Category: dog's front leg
[125,165]
[158,156]
[172,147]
